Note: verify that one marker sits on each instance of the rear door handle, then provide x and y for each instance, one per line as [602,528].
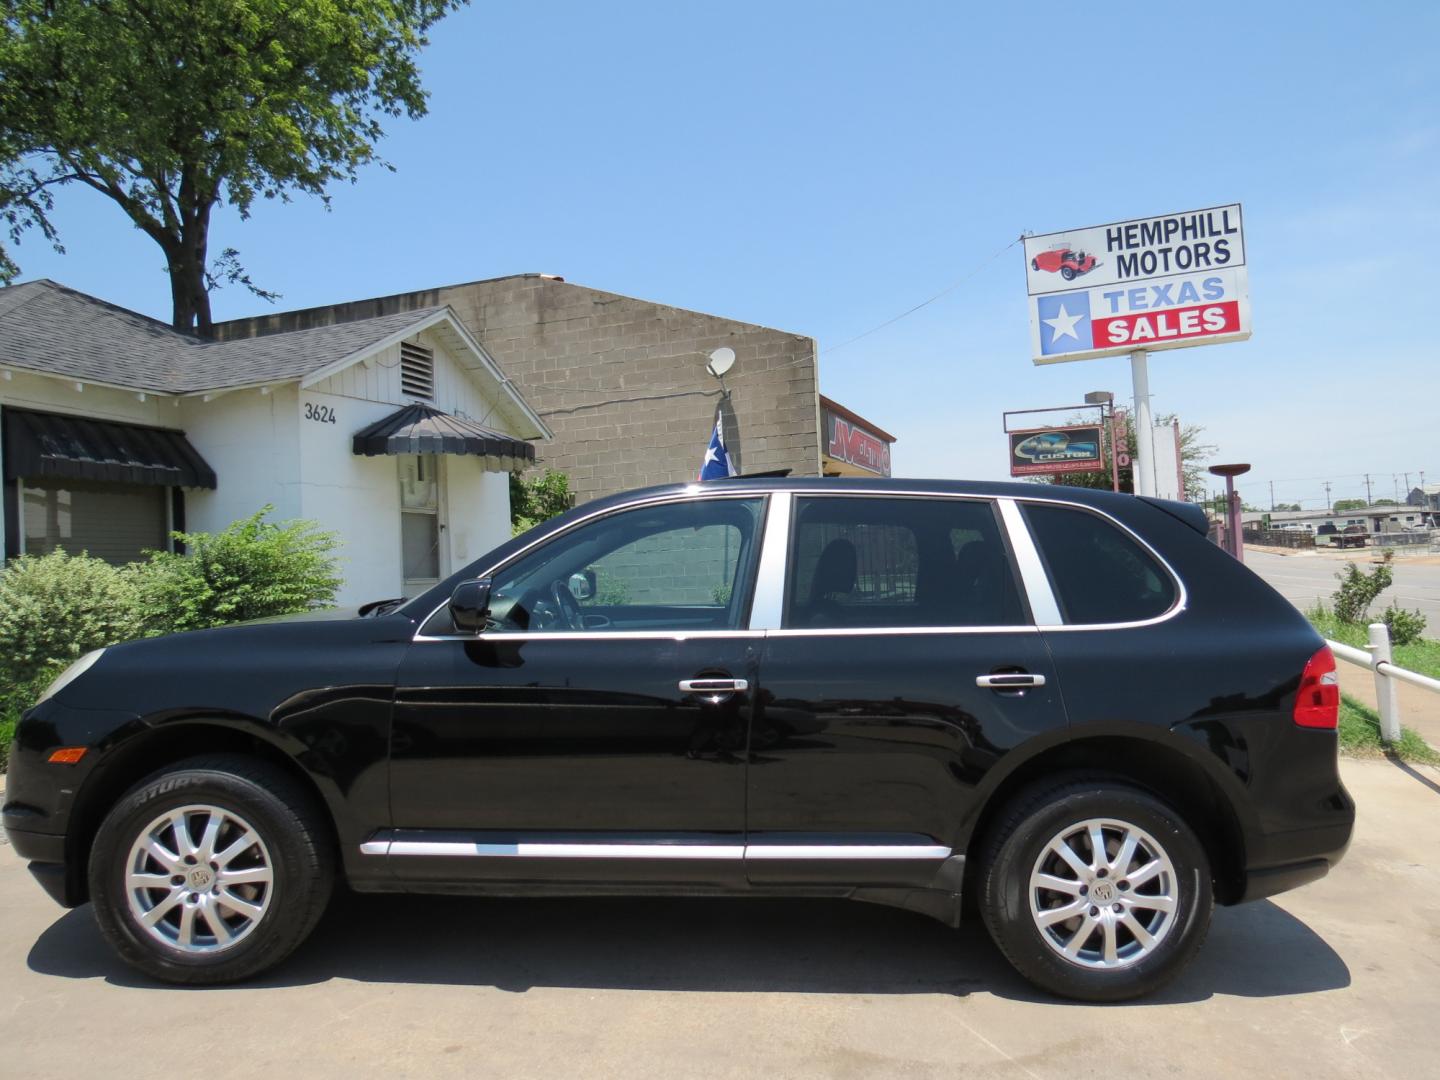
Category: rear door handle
[1013,681]
[713,689]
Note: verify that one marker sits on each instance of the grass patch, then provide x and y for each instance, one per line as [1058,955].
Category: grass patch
[1360,736]
[1422,656]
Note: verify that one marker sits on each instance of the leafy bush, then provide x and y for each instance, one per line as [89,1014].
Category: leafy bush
[55,608]
[537,500]
[1358,589]
[251,570]
[1406,627]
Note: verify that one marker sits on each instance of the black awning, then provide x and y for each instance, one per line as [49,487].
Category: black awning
[48,445]
[419,429]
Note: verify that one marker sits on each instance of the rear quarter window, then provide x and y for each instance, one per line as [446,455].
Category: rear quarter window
[1098,572]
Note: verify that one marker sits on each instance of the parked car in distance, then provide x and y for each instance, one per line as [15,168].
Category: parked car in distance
[1069,264]
[1065,708]
[1352,536]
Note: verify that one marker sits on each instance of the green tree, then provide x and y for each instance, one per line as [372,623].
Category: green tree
[1342,505]
[171,107]
[537,500]
[1287,506]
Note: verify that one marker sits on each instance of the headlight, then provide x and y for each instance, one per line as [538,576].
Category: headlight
[70,674]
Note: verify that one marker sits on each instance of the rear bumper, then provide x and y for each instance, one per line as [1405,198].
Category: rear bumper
[1283,861]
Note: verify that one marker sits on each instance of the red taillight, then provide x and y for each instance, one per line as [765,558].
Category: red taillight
[1317,705]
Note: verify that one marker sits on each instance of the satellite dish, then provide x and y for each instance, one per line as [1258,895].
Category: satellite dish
[721,361]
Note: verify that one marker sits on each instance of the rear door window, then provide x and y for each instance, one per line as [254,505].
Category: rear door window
[898,562]
[1098,572]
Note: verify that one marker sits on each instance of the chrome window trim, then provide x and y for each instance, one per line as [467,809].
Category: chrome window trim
[766,605]
[859,852]
[1018,532]
[591,635]
[690,492]
[1182,595]
[1044,609]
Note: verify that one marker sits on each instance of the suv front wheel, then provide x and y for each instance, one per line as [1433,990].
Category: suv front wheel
[211,871]
[1095,890]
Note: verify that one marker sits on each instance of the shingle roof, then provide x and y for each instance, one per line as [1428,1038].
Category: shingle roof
[48,328]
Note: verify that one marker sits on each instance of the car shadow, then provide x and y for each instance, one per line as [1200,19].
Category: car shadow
[713,945]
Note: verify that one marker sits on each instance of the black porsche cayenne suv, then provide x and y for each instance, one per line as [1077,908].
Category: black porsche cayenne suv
[1064,709]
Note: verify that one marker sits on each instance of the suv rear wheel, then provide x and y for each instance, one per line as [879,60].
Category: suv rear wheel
[1095,890]
[211,871]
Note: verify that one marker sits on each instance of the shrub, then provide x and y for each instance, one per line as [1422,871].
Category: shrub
[537,500]
[1358,589]
[54,608]
[251,570]
[1406,627]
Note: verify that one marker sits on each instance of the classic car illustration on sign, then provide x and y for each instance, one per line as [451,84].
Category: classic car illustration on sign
[1068,264]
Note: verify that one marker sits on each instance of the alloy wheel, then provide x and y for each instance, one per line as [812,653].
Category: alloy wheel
[1103,894]
[199,878]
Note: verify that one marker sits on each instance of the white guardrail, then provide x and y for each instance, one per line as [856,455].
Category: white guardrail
[1376,657]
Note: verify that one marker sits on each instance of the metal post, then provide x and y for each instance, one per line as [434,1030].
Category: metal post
[1114,453]
[1232,514]
[1385,694]
[1144,464]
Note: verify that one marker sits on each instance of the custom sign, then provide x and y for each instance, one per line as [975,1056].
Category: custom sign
[1042,451]
[846,440]
[1152,283]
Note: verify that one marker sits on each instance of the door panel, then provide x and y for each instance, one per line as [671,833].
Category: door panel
[882,739]
[579,739]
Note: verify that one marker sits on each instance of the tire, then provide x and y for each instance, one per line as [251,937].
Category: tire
[1035,265]
[1108,962]
[234,906]
[1067,273]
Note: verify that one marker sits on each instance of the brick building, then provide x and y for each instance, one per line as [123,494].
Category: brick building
[621,382]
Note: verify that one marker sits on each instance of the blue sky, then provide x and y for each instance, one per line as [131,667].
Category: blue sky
[821,167]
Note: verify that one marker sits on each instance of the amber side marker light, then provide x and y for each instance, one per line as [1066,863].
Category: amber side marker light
[67,755]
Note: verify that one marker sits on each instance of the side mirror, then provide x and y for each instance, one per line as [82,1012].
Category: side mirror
[582,585]
[469,605]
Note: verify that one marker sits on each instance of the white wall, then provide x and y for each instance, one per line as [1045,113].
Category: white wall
[251,440]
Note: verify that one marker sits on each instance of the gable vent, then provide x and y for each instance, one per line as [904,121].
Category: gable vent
[417,371]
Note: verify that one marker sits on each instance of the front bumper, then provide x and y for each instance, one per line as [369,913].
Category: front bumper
[46,854]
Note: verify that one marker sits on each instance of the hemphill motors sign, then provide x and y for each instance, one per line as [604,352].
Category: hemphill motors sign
[1151,283]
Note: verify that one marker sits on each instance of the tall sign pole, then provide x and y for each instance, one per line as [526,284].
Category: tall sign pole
[1144,425]
[1137,287]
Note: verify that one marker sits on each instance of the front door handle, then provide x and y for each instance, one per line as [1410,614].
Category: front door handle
[714,691]
[1012,681]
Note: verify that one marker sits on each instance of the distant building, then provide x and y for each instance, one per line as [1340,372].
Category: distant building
[1376,519]
[1426,496]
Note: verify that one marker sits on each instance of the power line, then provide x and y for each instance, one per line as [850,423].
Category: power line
[925,303]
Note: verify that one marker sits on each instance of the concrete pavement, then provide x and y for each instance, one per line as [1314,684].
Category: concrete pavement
[1338,979]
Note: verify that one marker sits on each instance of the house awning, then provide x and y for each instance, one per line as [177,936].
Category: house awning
[419,429]
[52,446]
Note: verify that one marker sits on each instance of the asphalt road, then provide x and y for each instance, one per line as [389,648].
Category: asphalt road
[1305,578]
[1338,979]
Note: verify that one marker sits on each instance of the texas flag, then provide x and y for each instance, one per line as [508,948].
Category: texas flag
[717,464]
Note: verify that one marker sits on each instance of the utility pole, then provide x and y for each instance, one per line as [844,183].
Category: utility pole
[1272,496]
[1407,487]
[1328,504]
[1368,498]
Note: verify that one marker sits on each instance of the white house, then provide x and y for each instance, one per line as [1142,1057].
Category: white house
[398,432]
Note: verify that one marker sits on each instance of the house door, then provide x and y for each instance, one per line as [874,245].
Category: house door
[423,548]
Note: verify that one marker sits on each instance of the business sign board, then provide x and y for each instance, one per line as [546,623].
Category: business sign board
[1151,283]
[847,441]
[1043,451]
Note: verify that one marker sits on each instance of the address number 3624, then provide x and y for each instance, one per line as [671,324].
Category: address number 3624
[321,414]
